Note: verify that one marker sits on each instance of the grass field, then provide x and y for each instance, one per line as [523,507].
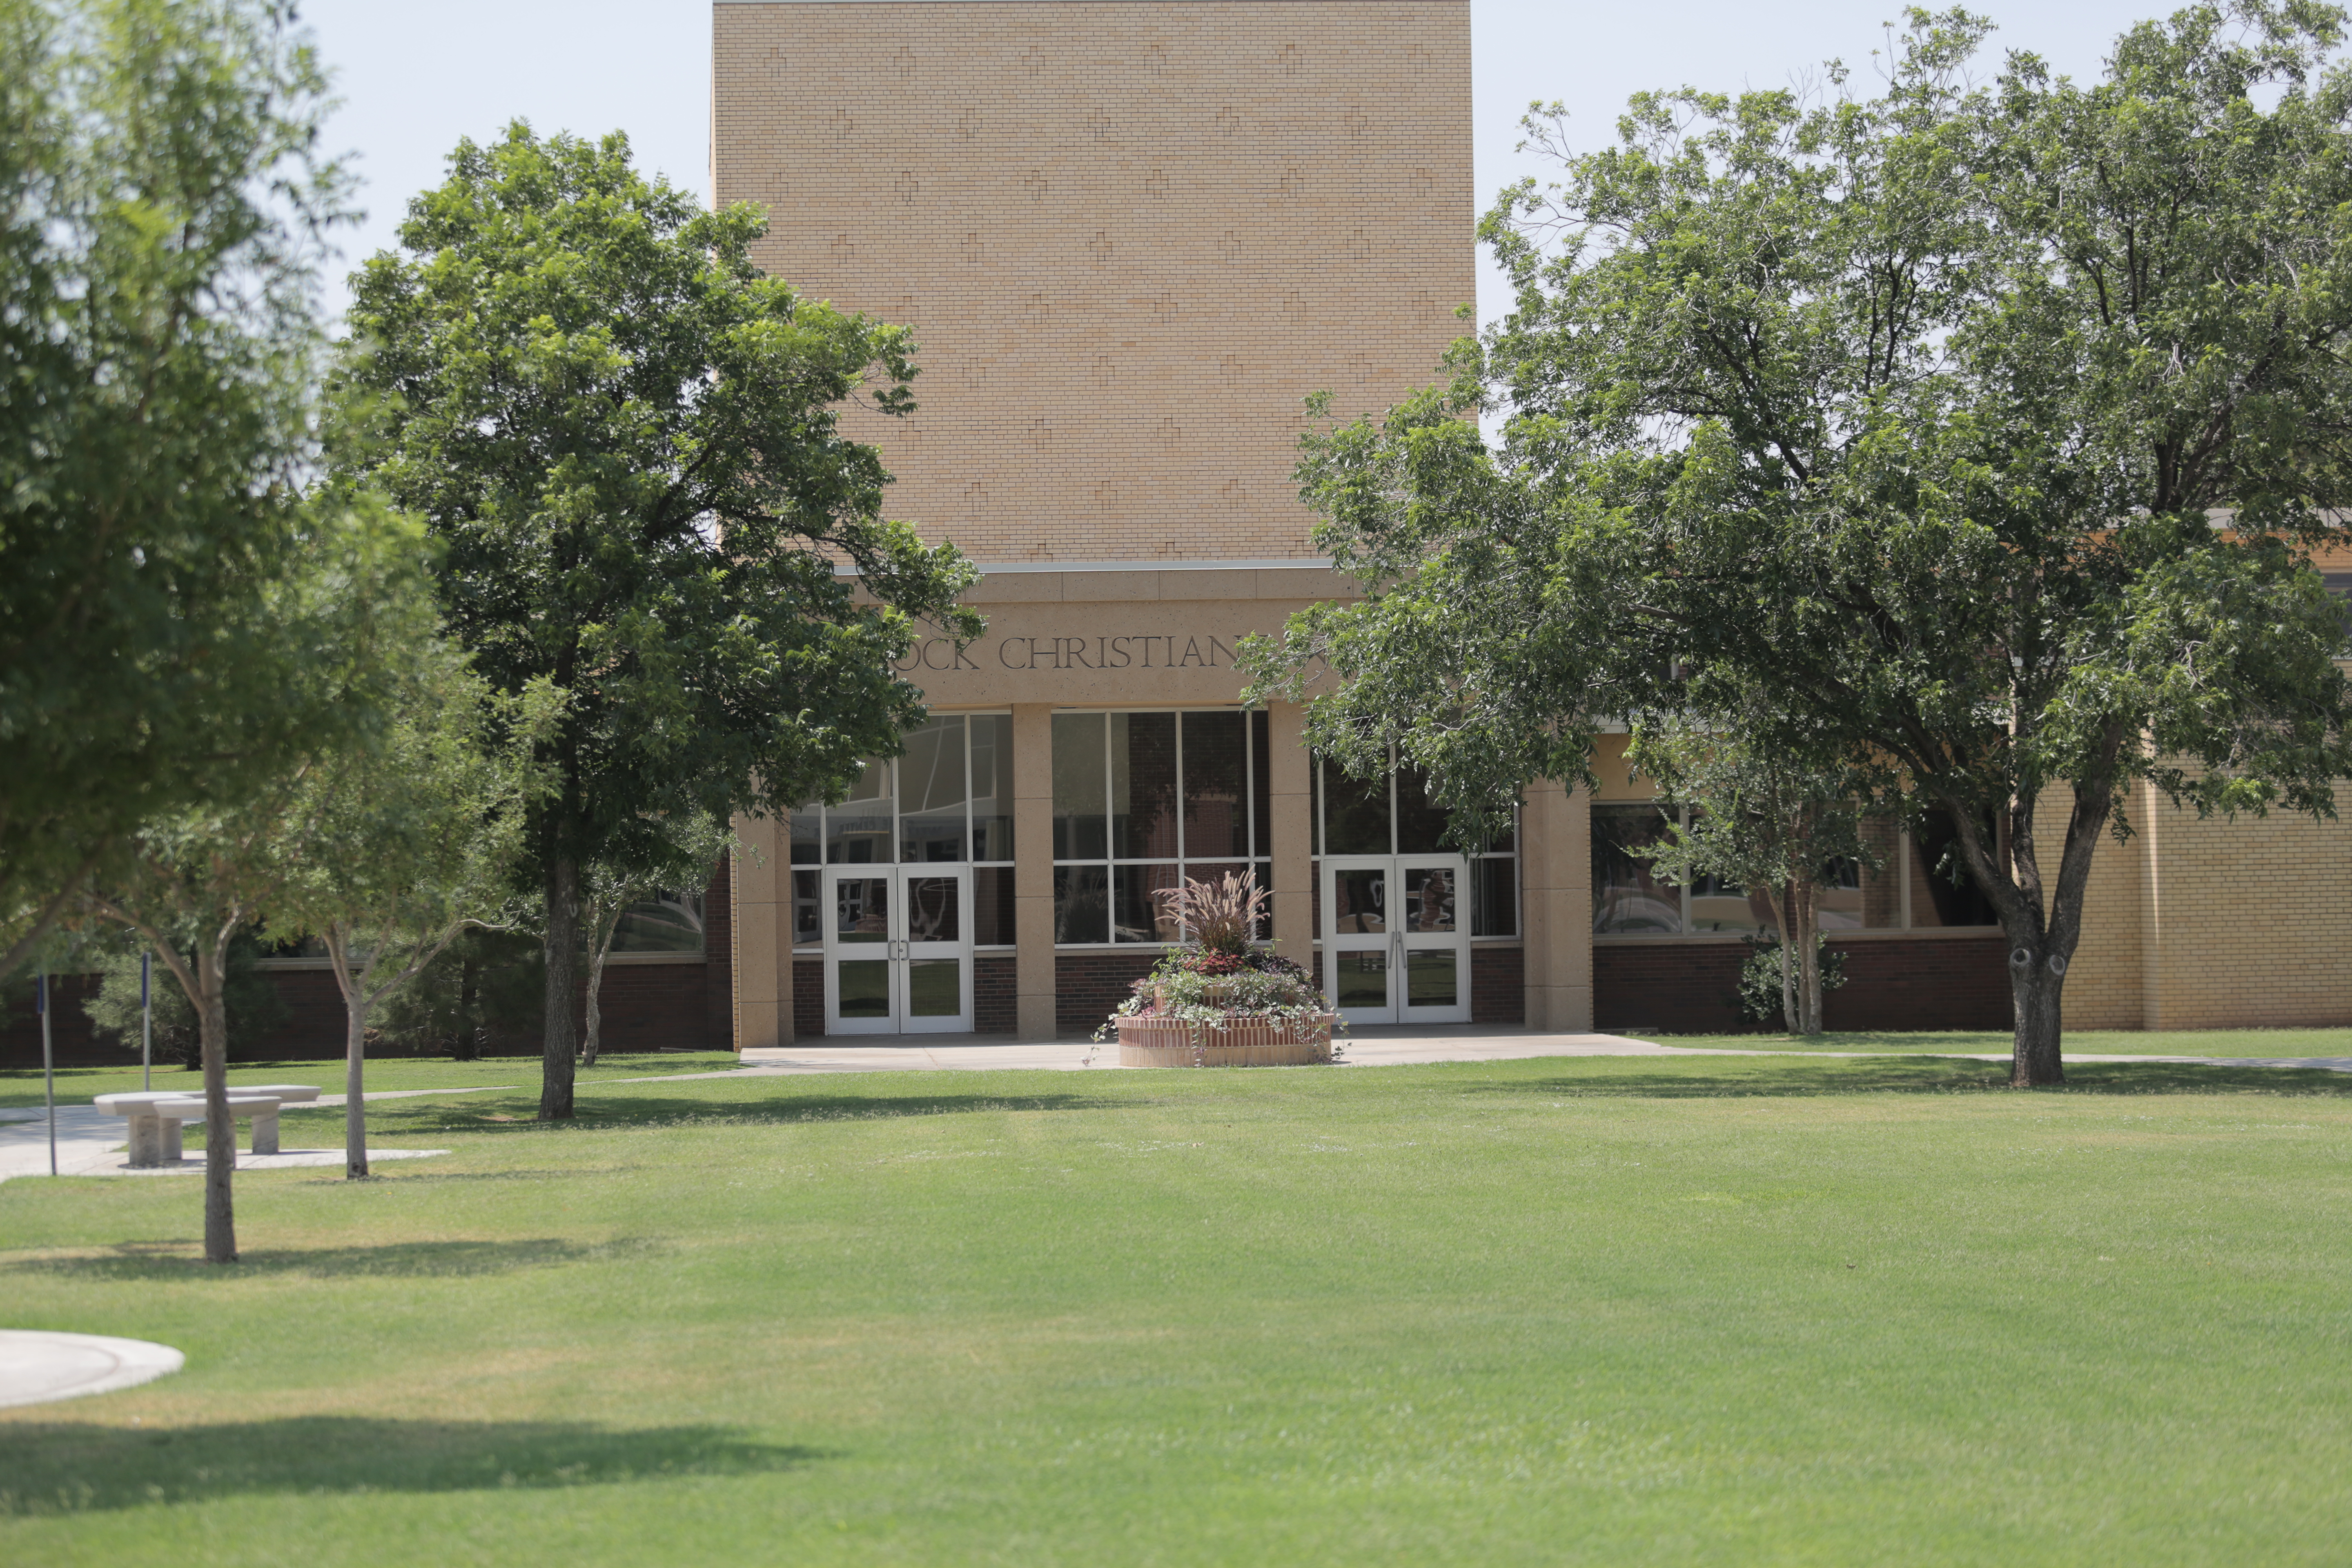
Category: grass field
[1605,1311]
[2084,1042]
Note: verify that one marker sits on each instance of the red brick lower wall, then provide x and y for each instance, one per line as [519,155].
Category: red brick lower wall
[75,1042]
[1499,985]
[1690,988]
[647,1007]
[1087,985]
[808,996]
[996,995]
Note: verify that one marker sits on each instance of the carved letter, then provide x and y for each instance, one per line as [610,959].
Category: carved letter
[1214,644]
[962,659]
[1078,651]
[1192,650]
[1005,652]
[1119,646]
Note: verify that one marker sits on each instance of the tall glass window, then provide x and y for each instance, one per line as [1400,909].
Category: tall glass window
[1394,816]
[1913,887]
[947,799]
[1145,801]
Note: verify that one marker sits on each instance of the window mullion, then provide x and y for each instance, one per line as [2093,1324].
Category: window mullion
[1179,797]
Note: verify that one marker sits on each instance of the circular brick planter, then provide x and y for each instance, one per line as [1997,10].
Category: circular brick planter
[1242,1042]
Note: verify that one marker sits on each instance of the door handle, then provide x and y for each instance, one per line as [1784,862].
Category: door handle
[897,950]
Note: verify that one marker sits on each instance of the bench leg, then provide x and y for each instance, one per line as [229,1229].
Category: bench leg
[265,1132]
[146,1142]
[167,1142]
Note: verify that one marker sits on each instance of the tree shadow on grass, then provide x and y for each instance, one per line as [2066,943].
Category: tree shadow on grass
[424,1119]
[1645,1079]
[183,1260]
[63,1467]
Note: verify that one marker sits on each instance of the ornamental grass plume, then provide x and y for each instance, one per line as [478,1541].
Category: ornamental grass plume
[1222,916]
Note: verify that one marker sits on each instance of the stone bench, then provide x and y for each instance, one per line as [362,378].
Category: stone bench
[156,1117]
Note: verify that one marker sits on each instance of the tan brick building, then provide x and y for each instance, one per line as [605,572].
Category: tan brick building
[1132,237]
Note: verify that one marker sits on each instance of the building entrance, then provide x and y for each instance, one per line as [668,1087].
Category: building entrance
[898,949]
[1396,945]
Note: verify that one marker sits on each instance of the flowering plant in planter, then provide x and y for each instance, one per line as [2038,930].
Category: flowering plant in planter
[1221,1001]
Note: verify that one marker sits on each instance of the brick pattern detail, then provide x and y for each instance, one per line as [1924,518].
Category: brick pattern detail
[718,968]
[1499,985]
[808,996]
[1690,987]
[1087,985]
[996,999]
[72,1041]
[1166,200]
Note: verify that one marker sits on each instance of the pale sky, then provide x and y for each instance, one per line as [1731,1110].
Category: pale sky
[416,75]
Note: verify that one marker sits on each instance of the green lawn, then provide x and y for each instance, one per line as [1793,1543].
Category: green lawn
[2087,1042]
[1629,1310]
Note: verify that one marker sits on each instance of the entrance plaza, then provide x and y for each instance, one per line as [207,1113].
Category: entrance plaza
[1132,237]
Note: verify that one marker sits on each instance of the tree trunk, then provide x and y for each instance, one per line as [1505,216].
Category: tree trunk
[557,1041]
[1805,899]
[604,925]
[468,1039]
[1788,1015]
[355,989]
[220,1127]
[2037,983]
[355,1165]
[603,930]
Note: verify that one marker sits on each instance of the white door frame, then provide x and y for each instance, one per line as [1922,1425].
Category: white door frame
[1401,930]
[889,940]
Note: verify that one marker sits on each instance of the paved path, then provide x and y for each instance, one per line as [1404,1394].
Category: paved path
[1377,1046]
[90,1144]
[38,1365]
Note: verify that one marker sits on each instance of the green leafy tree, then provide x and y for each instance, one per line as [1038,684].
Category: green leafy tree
[195,882]
[161,203]
[251,1008]
[660,855]
[624,437]
[486,988]
[1761,817]
[409,840]
[1987,429]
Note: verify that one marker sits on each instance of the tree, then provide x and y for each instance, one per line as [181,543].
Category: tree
[661,853]
[624,437]
[251,1008]
[1987,430]
[194,881]
[1760,816]
[409,841]
[162,207]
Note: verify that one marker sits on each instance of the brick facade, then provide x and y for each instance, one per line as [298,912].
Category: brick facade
[994,994]
[1087,985]
[1498,985]
[1691,986]
[1130,237]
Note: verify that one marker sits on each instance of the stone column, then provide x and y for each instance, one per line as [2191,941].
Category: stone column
[1554,855]
[1290,788]
[1033,869]
[761,930]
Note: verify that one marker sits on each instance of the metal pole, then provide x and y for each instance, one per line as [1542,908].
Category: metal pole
[49,1068]
[146,1023]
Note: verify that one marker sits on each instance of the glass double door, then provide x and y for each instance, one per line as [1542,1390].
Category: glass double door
[1396,947]
[898,949]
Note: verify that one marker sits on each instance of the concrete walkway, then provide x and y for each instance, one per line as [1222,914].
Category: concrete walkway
[90,1142]
[38,1365]
[1391,1045]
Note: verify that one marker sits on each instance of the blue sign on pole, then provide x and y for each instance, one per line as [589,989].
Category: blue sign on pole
[49,1068]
